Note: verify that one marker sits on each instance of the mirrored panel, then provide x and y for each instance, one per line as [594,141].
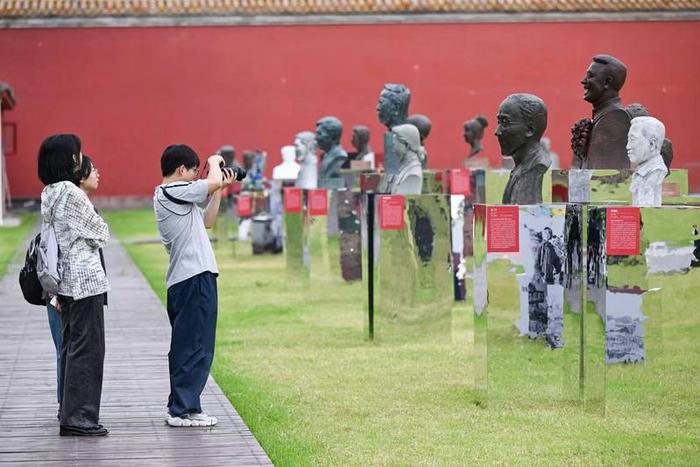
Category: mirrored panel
[433,182]
[675,184]
[651,310]
[613,186]
[479,297]
[295,249]
[349,209]
[527,347]
[414,292]
[465,193]
[322,237]
[593,364]
[497,179]
[573,282]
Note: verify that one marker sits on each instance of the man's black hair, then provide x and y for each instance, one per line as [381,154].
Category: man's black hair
[57,161]
[176,155]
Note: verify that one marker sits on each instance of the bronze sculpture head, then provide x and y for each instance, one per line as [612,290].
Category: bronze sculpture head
[328,132]
[360,138]
[423,124]
[474,133]
[604,79]
[522,119]
[392,107]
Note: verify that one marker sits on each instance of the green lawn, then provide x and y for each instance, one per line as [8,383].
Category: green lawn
[11,238]
[314,390]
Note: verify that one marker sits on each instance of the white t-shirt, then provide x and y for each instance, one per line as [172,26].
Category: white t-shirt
[182,231]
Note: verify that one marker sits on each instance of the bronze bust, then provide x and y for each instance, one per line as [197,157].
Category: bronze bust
[424,126]
[606,138]
[392,107]
[328,133]
[392,110]
[522,119]
[474,133]
[360,141]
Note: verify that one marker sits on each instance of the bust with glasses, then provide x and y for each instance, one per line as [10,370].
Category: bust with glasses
[522,119]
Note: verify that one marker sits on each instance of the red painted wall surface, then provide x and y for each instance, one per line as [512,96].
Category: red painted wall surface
[129,92]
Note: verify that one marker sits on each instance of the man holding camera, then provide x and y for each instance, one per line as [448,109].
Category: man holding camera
[191,278]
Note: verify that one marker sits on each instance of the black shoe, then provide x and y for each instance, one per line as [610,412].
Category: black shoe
[98,430]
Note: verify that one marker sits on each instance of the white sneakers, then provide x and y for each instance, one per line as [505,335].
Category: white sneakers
[191,419]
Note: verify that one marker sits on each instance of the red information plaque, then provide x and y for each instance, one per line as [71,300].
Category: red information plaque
[245,206]
[502,229]
[391,212]
[318,202]
[292,200]
[622,227]
[460,182]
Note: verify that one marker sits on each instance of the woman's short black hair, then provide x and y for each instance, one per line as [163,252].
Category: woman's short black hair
[57,158]
[84,171]
[176,155]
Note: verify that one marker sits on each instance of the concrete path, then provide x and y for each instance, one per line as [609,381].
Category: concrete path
[135,387]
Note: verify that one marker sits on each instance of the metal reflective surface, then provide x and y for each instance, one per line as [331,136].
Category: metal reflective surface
[612,186]
[462,215]
[532,334]
[593,364]
[295,252]
[349,210]
[612,336]
[322,245]
[433,182]
[651,305]
[480,302]
[414,292]
[497,179]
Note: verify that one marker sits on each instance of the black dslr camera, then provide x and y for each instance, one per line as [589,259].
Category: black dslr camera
[239,173]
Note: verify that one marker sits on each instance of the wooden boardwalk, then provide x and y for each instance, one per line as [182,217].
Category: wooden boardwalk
[134,394]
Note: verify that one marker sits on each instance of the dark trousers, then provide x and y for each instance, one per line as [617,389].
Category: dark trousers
[82,360]
[192,310]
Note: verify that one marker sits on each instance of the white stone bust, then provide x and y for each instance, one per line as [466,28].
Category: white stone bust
[407,149]
[305,147]
[644,140]
[288,169]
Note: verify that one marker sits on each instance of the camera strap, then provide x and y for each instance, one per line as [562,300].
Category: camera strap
[171,197]
[175,200]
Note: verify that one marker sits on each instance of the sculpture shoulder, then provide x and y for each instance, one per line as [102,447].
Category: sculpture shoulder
[538,165]
[338,153]
[411,184]
[615,118]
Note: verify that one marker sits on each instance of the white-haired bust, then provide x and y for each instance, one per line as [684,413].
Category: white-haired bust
[644,141]
[305,148]
[407,147]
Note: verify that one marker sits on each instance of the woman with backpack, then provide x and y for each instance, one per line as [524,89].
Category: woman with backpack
[80,233]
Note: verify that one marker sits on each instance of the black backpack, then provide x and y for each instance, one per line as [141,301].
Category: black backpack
[28,278]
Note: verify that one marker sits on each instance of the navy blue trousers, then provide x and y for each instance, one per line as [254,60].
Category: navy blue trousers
[192,310]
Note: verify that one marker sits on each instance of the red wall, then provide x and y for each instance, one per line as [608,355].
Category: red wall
[129,92]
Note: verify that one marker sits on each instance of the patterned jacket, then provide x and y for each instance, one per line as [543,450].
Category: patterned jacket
[80,233]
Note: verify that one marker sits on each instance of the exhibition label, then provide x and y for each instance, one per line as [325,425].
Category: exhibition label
[391,212]
[292,200]
[622,227]
[502,229]
[318,202]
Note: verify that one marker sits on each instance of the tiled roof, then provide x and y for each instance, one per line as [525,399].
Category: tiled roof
[91,8]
